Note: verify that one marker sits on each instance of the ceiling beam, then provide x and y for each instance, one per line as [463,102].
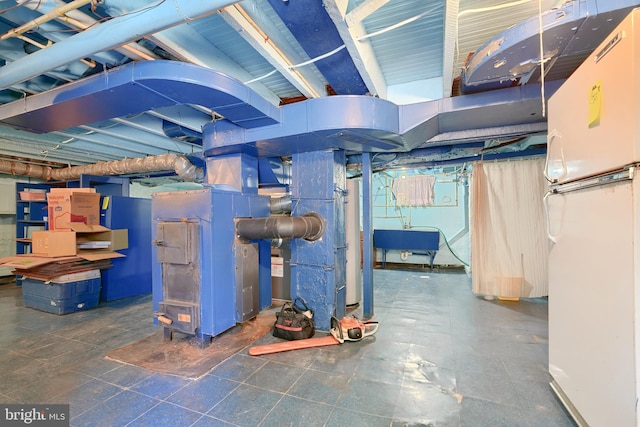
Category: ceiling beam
[353,34]
[364,9]
[450,45]
[107,35]
[251,31]
[47,150]
[188,45]
[141,138]
[107,145]
[30,161]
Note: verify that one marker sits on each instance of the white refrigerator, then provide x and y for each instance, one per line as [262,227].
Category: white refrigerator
[593,208]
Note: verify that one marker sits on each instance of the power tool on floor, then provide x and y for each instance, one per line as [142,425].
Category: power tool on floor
[349,328]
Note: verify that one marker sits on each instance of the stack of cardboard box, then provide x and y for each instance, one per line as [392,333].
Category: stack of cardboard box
[74,221]
[74,243]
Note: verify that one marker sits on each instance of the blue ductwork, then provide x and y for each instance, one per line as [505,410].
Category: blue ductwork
[484,157]
[418,157]
[175,131]
[272,173]
[313,28]
[253,126]
[368,124]
[570,34]
[135,88]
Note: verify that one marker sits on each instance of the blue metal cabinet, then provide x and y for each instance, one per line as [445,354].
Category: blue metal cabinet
[131,275]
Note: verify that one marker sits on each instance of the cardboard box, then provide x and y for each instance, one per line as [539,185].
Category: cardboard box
[114,240]
[56,190]
[32,195]
[53,243]
[118,239]
[27,261]
[50,244]
[67,205]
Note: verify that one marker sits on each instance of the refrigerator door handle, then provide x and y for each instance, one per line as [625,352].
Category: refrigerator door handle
[624,174]
[545,202]
[557,174]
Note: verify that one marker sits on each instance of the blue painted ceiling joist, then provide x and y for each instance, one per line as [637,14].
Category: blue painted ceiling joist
[311,25]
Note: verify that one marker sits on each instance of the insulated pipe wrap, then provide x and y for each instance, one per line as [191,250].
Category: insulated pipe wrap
[309,227]
[164,162]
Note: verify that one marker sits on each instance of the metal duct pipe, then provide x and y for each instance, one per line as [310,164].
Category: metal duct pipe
[309,227]
[164,162]
[280,205]
[108,35]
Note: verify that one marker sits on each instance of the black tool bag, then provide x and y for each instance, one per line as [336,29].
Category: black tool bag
[294,321]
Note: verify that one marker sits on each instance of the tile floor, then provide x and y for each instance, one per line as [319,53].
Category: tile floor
[442,357]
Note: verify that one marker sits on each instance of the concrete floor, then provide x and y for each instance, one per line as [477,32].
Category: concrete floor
[442,357]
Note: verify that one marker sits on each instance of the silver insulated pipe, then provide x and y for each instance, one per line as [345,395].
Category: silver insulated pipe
[164,162]
[309,227]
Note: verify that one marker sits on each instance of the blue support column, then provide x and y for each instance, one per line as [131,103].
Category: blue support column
[367,238]
[318,268]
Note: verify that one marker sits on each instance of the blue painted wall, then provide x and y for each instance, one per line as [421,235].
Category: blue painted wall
[446,214]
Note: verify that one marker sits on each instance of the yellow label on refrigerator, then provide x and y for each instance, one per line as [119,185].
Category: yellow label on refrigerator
[595,104]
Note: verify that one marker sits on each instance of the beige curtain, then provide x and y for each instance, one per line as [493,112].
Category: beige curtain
[509,247]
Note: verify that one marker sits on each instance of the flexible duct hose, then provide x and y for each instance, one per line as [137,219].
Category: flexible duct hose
[164,162]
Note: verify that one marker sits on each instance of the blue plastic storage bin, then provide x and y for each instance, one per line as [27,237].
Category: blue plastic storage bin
[64,294]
